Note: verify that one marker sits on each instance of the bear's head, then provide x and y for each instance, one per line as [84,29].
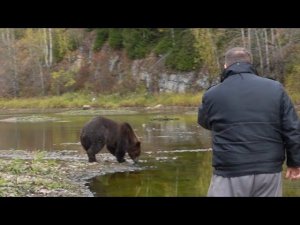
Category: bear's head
[134,151]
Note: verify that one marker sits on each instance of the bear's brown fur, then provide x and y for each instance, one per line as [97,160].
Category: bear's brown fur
[119,138]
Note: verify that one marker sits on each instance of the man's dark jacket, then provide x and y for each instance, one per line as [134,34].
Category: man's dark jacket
[253,121]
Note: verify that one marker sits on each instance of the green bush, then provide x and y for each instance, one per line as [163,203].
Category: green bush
[139,42]
[292,83]
[115,38]
[101,37]
[183,54]
[164,45]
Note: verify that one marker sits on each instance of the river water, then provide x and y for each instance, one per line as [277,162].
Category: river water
[176,154]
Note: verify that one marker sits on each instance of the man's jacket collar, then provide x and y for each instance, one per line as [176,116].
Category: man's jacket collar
[236,68]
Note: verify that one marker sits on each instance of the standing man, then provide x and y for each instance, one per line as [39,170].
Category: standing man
[254,127]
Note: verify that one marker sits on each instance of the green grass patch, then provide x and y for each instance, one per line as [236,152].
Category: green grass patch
[64,101]
[112,101]
[38,176]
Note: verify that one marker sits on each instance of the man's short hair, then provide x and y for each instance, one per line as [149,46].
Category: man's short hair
[237,54]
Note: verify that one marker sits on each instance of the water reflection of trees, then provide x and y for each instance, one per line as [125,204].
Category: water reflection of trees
[175,133]
[39,136]
[25,136]
[183,133]
[187,176]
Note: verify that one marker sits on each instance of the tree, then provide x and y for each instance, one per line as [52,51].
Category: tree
[115,38]
[9,46]
[206,48]
[101,37]
[62,80]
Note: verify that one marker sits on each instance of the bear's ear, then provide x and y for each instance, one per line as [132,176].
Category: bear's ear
[138,144]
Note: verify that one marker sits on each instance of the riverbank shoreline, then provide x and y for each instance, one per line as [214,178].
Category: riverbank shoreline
[53,174]
[95,111]
[75,110]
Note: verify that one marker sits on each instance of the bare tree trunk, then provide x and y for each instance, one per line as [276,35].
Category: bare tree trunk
[279,46]
[15,70]
[12,55]
[3,37]
[272,36]
[90,57]
[46,48]
[261,62]
[214,49]
[280,66]
[50,47]
[42,78]
[243,37]
[249,39]
[267,50]
[8,41]
[272,43]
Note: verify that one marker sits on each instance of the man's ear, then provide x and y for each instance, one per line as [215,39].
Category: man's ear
[225,66]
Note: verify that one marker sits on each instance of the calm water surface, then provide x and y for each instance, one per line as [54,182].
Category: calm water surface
[175,155]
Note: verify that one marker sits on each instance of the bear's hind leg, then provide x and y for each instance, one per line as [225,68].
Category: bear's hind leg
[93,150]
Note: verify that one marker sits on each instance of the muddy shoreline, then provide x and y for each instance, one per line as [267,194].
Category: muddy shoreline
[53,174]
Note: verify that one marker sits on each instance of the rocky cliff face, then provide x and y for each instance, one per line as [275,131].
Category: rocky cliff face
[149,71]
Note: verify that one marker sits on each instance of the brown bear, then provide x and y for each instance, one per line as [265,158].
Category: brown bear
[119,138]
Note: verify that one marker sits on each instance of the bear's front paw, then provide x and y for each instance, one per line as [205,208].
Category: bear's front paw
[91,160]
[121,160]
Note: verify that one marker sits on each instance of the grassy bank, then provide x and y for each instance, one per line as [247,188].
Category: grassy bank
[77,100]
[113,101]
[53,174]
[34,177]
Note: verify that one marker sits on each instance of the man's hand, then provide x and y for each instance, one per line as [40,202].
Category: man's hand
[293,173]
